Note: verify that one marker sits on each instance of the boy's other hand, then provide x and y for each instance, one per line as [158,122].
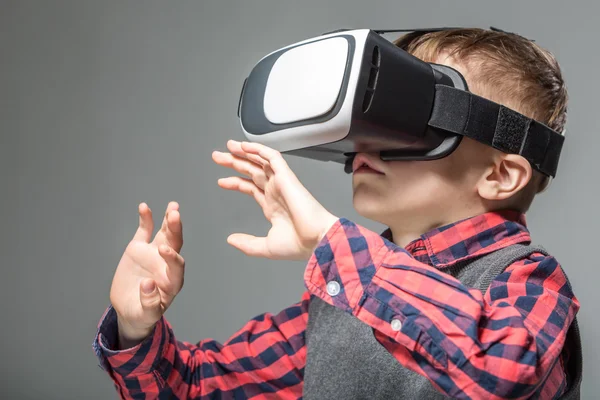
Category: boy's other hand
[149,275]
[298,220]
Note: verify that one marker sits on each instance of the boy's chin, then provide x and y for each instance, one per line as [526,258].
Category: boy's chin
[371,209]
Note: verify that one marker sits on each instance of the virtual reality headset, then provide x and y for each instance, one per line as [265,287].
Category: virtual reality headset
[349,91]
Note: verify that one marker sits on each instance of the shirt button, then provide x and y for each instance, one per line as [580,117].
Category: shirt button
[396,325]
[333,288]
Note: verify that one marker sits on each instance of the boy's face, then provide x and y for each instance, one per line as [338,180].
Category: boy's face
[414,193]
[422,194]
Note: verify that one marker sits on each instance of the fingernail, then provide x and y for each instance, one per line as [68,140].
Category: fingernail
[148,287]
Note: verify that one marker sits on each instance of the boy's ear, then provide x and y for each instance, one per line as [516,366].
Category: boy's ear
[508,174]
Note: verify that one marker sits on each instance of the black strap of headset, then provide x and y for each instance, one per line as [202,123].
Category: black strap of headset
[428,30]
[466,114]
[424,30]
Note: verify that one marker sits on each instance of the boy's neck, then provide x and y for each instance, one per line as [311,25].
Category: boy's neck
[403,237]
[404,233]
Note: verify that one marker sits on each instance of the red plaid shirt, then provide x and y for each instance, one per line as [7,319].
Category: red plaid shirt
[506,344]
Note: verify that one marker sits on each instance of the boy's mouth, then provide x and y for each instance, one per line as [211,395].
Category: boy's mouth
[362,164]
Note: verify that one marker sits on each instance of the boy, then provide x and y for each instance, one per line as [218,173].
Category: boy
[419,331]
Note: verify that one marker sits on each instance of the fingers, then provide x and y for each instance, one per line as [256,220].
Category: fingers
[172,206]
[290,187]
[267,154]
[172,227]
[245,186]
[150,300]
[175,267]
[146,225]
[242,165]
[171,231]
[249,245]
[295,196]
[235,148]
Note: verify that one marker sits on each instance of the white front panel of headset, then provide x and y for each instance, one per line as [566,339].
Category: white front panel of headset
[331,130]
[305,81]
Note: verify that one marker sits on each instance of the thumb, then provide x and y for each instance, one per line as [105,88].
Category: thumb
[150,299]
[249,245]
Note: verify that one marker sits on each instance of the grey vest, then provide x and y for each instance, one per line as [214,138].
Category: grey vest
[345,361]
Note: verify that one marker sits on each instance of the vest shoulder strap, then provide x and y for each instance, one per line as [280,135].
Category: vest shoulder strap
[494,264]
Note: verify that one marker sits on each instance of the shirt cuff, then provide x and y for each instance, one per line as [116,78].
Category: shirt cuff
[344,264]
[135,361]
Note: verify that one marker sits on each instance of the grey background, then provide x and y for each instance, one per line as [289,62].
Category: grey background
[109,103]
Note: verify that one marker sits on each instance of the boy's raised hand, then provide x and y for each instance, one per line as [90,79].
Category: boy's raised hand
[149,275]
[298,220]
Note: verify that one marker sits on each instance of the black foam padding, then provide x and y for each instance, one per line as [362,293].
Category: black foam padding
[450,109]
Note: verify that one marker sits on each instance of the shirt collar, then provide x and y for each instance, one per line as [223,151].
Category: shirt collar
[469,238]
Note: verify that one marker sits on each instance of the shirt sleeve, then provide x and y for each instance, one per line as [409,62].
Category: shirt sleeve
[267,355]
[501,345]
